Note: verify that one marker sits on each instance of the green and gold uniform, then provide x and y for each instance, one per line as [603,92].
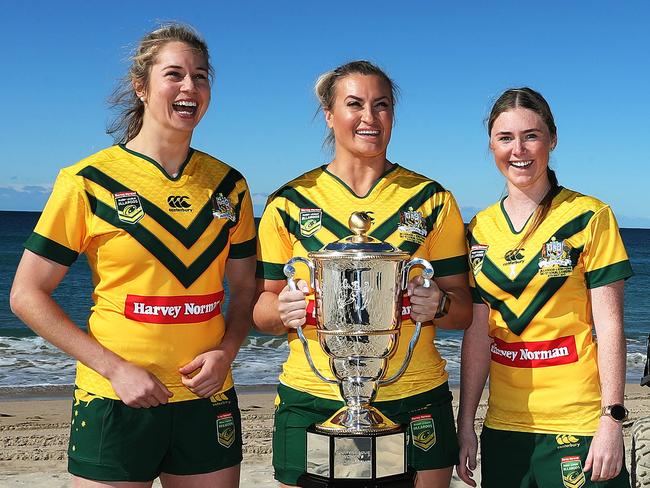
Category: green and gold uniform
[411,212]
[543,370]
[157,247]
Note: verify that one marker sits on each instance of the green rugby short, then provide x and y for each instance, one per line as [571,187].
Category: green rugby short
[526,460]
[428,416]
[110,441]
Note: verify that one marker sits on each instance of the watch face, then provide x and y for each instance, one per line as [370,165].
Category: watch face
[618,412]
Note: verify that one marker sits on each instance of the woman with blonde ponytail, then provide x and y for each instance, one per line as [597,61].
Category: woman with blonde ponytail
[411,212]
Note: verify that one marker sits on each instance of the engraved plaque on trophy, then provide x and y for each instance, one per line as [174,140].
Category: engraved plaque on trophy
[358,285]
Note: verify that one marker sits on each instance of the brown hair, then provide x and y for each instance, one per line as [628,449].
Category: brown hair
[529,99]
[128,122]
[325,87]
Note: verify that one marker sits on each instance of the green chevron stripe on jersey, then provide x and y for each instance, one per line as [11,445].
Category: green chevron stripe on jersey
[518,324]
[516,286]
[186,236]
[186,275]
[389,226]
[311,244]
[330,223]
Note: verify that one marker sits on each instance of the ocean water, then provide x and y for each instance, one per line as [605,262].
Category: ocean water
[26,360]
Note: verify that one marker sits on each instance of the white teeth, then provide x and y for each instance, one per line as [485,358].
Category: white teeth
[368,132]
[521,164]
[185,103]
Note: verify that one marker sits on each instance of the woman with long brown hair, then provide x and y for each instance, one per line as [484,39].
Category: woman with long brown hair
[162,226]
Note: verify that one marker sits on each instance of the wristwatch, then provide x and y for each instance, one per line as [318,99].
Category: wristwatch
[616,411]
[443,306]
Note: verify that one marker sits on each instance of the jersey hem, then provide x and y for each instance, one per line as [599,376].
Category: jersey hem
[532,430]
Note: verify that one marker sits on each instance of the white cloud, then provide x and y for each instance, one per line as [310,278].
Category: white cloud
[24,197]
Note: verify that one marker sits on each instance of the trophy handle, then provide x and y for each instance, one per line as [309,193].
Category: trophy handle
[427,274]
[289,272]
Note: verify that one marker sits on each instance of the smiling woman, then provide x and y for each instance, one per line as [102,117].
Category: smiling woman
[549,266]
[162,226]
[130,96]
[411,212]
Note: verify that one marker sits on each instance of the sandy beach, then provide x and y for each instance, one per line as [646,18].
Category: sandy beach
[34,436]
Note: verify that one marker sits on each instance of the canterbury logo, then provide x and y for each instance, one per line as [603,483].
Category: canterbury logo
[563,439]
[179,201]
[514,255]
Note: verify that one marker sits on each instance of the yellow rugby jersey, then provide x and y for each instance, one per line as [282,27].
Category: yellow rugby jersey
[157,247]
[543,369]
[411,212]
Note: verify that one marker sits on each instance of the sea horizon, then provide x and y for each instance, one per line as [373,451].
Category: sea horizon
[28,361]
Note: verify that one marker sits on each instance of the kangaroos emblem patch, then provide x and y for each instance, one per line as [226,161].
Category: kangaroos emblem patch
[225,429]
[128,206]
[423,432]
[310,221]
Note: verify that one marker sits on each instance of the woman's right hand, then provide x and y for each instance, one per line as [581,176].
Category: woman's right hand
[468,443]
[137,387]
[293,306]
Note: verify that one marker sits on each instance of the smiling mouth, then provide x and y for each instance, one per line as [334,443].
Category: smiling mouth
[185,108]
[521,164]
[367,132]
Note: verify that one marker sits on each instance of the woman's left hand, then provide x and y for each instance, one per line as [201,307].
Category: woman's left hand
[605,457]
[424,301]
[213,365]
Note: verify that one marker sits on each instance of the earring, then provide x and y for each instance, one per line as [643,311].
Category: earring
[142,99]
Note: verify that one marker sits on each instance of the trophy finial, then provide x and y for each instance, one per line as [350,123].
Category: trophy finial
[360,223]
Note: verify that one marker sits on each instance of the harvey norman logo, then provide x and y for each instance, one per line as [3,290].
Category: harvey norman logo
[173,309]
[537,354]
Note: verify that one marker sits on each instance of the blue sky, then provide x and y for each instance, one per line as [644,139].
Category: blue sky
[591,60]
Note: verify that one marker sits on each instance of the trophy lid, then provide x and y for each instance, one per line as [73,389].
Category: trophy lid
[359,242]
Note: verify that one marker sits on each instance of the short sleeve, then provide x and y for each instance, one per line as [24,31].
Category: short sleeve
[446,247]
[274,247]
[604,255]
[242,238]
[474,261]
[62,231]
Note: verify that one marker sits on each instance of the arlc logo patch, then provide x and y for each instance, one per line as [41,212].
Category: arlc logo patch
[572,474]
[423,431]
[222,207]
[128,206]
[310,221]
[225,429]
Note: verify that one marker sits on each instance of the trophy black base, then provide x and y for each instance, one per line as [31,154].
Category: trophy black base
[376,460]
[404,480]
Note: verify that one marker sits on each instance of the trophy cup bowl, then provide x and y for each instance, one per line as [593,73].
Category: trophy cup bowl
[358,284]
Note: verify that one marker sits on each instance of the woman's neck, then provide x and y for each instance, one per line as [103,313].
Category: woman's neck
[522,202]
[169,150]
[360,174]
